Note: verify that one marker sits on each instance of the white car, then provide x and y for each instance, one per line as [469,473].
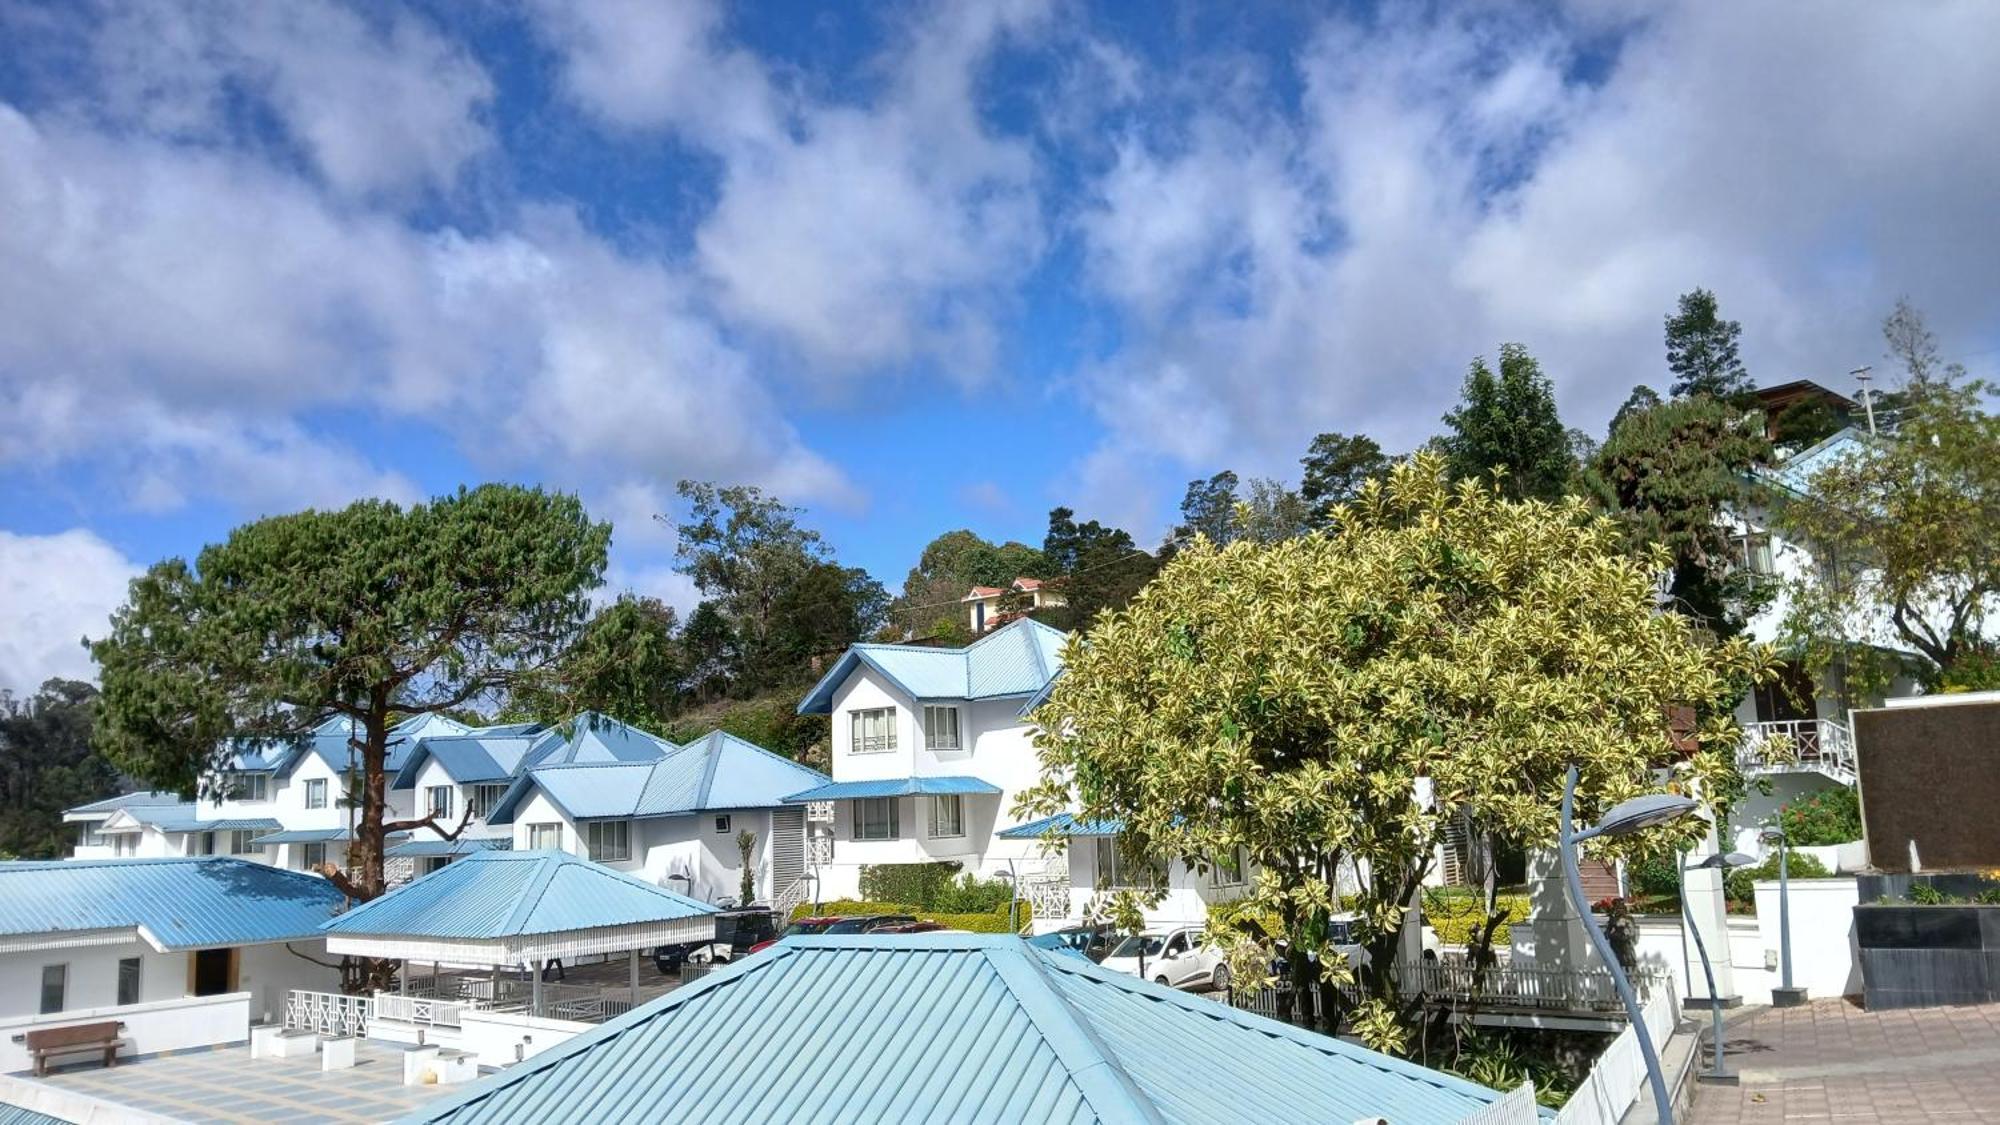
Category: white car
[1175,957]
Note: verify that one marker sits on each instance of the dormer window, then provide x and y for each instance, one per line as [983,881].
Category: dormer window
[941,728]
[251,787]
[874,731]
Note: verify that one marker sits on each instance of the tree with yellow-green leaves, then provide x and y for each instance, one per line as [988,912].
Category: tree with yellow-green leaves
[1287,698]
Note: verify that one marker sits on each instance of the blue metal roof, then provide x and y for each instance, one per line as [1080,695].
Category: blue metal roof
[591,737]
[183,903]
[1795,473]
[717,771]
[434,848]
[305,836]
[187,818]
[948,1027]
[894,787]
[1016,659]
[467,758]
[11,1114]
[109,805]
[1062,824]
[500,894]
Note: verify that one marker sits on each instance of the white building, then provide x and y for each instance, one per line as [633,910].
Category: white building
[989,607]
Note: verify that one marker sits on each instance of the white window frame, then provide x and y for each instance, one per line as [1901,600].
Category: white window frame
[722,824]
[438,801]
[1221,876]
[939,817]
[937,718]
[882,722]
[608,841]
[62,988]
[892,823]
[1110,872]
[485,796]
[251,786]
[315,792]
[311,855]
[550,827]
[92,838]
[243,841]
[138,979]
[125,843]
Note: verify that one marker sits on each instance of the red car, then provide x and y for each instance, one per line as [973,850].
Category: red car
[801,926]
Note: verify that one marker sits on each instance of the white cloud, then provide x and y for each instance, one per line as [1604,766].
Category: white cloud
[1450,184]
[54,591]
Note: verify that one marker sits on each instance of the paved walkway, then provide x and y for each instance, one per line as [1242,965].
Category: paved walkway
[1832,1062]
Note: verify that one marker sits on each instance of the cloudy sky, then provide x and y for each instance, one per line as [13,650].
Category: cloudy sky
[915,266]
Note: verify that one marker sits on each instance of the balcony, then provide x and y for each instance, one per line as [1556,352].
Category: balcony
[1823,746]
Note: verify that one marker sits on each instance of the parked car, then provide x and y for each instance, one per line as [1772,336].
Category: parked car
[868,923]
[1093,942]
[800,926]
[1176,957]
[737,934]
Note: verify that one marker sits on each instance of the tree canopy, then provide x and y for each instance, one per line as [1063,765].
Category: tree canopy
[1507,422]
[47,764]
[627,664]
[1702,350]
[372,612]
[1209,508]
[1095,567]
[1288,698]
[1336,465]
[950,565]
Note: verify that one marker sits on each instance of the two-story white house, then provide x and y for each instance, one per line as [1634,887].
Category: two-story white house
[989,607]
[669,814]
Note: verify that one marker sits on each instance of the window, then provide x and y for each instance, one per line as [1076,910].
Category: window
[544,836]
[610,840]
[722,824]
[205,843]
[1116,871]
[316,793]
[251,787]
[437,799]
[485,797]
[1752,552]
[311,856]
[125,843]
[941,728]
[947,816]
[92,838]
[242,841]
[874,731]
[128,980]
[875,819]
[55,982]
[1231,871]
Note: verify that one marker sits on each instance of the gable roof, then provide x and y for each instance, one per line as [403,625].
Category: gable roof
[716,771]
[98,810]
[1016,659]
[493,895]
[950,1027]
[467,758]
[190,902]
[1795,473]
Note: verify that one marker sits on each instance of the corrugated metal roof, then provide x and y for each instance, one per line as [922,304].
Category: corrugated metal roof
[1062,824]
[1796,472]
[717,771]
[499,894]
[184,903]
[946,1027]
[434,848]
[894,787]
[1016,659]
[591,737]
[304,836]
[467,758]
[183,818]
[124,801]
[11,1114]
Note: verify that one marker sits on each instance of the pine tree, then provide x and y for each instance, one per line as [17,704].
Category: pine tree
[1701,350]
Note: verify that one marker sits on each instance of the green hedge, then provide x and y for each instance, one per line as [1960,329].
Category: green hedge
[934,886]
[1736,886]
[1455,915]
[990,922]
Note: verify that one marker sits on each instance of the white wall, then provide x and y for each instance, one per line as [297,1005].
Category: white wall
[1189,894]
[93,977]
[495,1036]
[538,809]
[691,846]
[268,972]
[1826,958]
[167,1025]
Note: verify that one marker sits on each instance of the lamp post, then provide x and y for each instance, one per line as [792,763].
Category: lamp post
[1784,996]
[1717,862]
[1624,819]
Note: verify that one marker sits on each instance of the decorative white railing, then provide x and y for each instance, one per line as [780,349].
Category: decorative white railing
[1506,986]
[819,812]
[423,1011]
[819,849]
[328,1013]
[1047,890]
[1790,745]
[789,898]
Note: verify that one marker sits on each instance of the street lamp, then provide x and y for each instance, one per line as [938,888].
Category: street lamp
[1716,862]
[1624,819]
[1784,996]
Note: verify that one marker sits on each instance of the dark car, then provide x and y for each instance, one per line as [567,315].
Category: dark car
[913,928]
[1094,942]
[737,932]
[868,924]
[816,925]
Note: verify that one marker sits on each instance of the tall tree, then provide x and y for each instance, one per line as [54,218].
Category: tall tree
[1641,399]
[1914,349]
[1095,567]
[828,608]
[1272,512]
[1336,466]
[1902,532]
[1209,508]
[1287,700]
[627,664]
[371,613]
[1702,350]
[708,644]
[47,764]
[949,566]
[1673,474]
[1508,422]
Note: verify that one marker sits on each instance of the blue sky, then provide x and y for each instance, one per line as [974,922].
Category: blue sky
[912,266]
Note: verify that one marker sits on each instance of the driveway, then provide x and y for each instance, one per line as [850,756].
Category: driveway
[1832,1062]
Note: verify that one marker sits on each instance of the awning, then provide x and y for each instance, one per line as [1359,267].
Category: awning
[895,787]
[434,848]
[304,836]
[1062,824]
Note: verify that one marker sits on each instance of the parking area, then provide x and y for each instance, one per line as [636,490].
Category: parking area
[1831,1061]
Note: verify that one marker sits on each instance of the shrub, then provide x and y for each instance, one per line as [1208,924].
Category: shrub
[1456,915]
[973,895]
[906,882]
[1736,886]
[979,922]
[1831,816]
[1655,877]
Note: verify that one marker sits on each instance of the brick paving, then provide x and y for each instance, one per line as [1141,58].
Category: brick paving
[1830,1061]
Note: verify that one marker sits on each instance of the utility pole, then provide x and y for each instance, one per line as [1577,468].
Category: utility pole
[1862,375]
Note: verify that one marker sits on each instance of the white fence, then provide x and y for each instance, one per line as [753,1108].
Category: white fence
[1619,1076]
[329,1013]
[1825,745]
[418,1011]
[160,1025]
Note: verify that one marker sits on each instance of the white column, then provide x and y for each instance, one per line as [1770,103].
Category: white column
[1705,903]
[535,993]
[1553,937]
[632,960]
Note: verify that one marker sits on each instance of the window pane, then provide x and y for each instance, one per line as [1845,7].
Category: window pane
[128,980]
[55,981]
[947,816]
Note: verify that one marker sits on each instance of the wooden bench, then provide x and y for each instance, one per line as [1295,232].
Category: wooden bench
[47,1042]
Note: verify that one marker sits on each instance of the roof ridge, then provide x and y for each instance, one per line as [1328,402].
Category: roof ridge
[1103,1081]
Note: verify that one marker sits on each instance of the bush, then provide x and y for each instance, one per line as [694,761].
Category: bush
[1736,886]
[1455,915]
[1655,877]
[920,883]
[973,895]
[979,922]
[1831,816]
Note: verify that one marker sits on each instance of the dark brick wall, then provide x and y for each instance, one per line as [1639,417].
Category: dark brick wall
[1931,774]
